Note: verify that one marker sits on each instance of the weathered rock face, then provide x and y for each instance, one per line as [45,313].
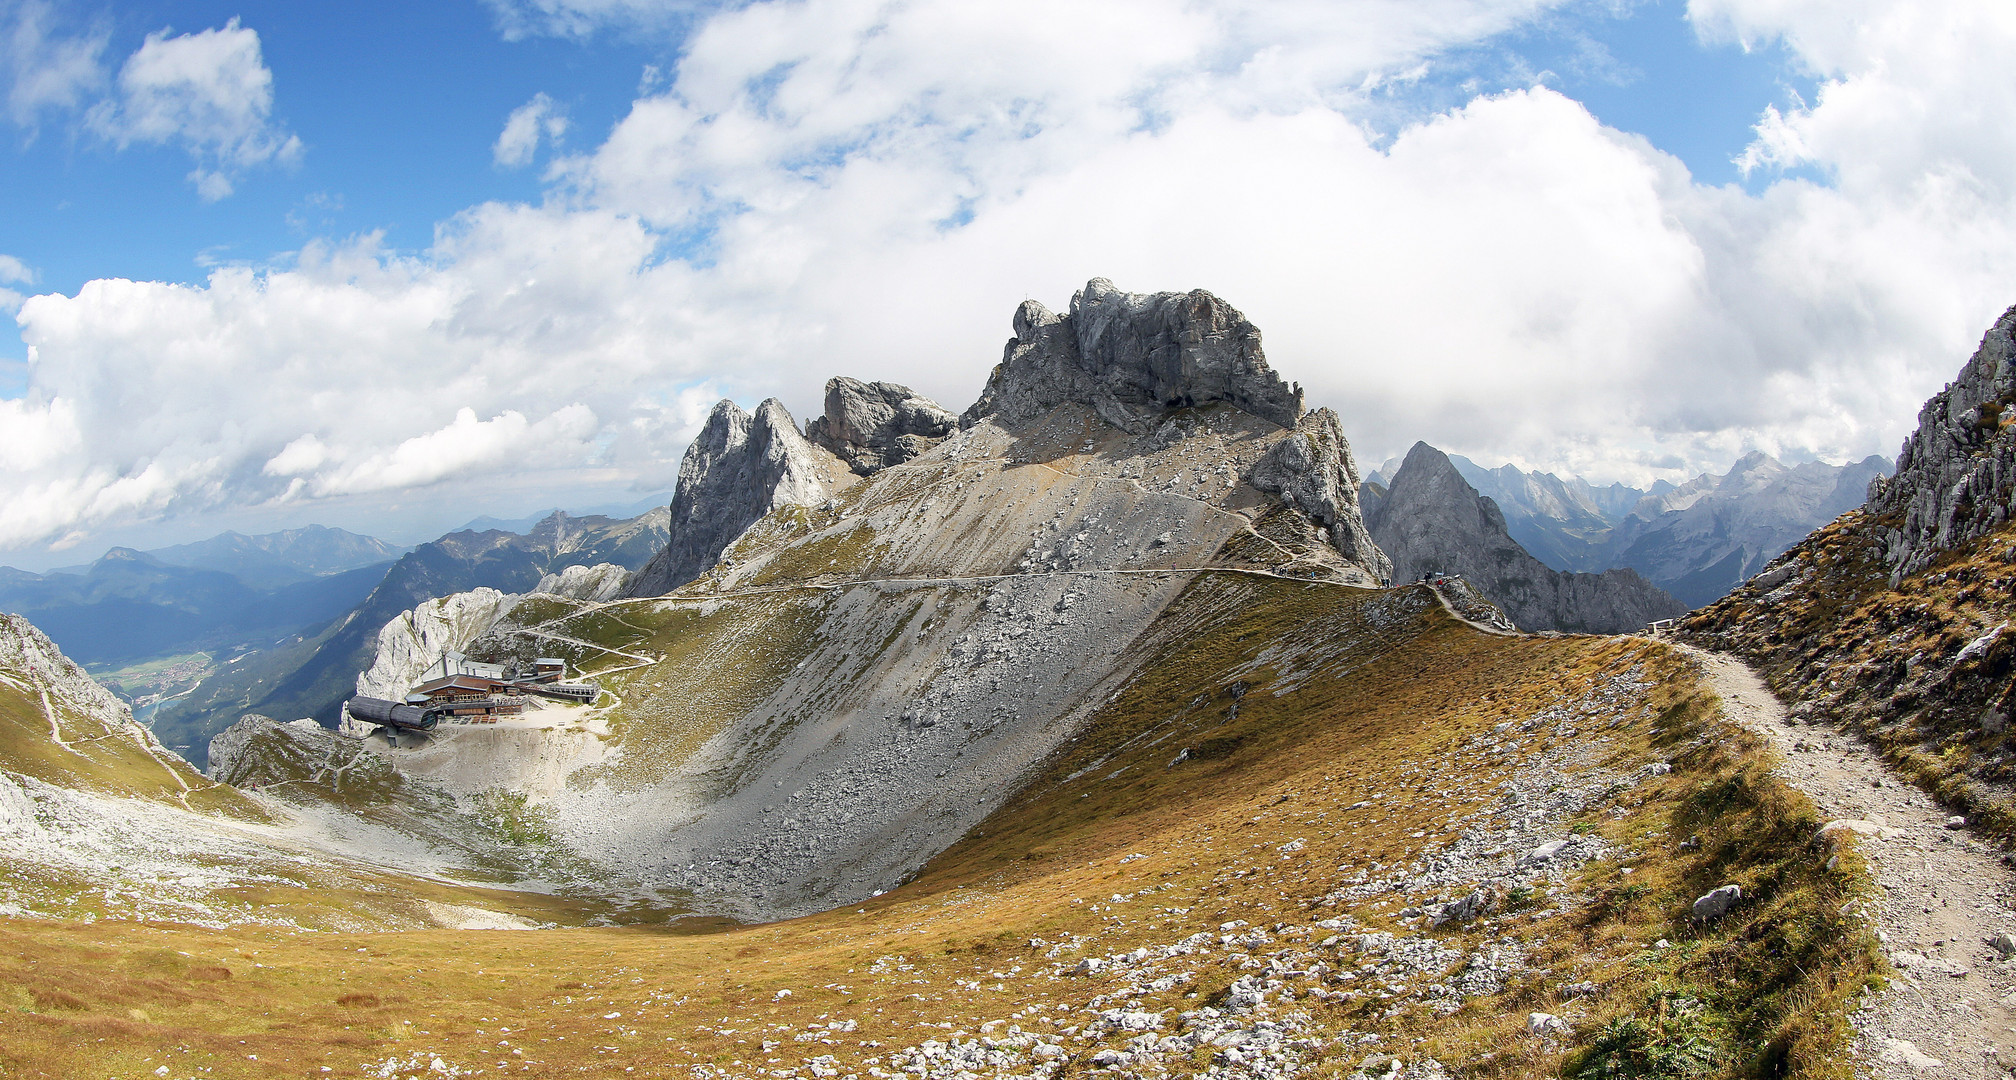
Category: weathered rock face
[1133,357]
[1433,520]
[1956,475]
[875,425]
[741,468]
[410,643]
[1313,472]
[603,581]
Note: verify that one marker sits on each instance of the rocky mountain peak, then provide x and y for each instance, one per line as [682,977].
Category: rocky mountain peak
[1956,475]
[1132,357]
[741,467]
[1432,520]
[875,425]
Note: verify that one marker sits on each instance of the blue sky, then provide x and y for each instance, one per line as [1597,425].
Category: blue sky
[381,319]
[398,106]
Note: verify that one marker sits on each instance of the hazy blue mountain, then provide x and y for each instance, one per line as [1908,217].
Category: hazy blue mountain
[1433,520]
[1696,540]
[1563,523]
[1701,539]
[282,557]
[131,605]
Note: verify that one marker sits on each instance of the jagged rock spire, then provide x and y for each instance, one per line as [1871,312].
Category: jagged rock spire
[740,468]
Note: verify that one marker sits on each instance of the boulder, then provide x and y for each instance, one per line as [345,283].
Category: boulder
[1718,903]
[1462,911]
[1545,1025]
[1850,826]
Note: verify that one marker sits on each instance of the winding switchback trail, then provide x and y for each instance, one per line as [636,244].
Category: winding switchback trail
[1951,1012]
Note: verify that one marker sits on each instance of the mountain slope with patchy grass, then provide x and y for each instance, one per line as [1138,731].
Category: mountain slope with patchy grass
[1324,829]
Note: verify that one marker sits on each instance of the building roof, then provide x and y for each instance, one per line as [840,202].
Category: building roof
[472,683]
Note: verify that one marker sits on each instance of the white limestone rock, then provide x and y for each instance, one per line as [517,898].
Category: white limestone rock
[1313,471]
[411,643]
[1956,474]
[603,581]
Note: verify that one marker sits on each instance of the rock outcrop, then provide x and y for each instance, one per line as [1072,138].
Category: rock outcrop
[413,641]
[1432,520]
[872,426]
[1313,472]
[1132,357]
[603,581]
[740,468]
[1956,475]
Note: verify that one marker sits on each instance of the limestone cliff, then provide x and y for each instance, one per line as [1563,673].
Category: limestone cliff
[414,640]
[1433,520]
[740,468]
[875,425]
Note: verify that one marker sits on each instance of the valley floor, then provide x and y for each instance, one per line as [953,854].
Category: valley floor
[1951,1010]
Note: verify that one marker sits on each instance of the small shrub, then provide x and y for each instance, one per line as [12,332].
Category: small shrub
[1676,1042]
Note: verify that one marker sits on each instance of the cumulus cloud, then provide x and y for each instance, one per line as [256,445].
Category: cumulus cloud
[847,186]
[43,68]
[540,118]
[209,92]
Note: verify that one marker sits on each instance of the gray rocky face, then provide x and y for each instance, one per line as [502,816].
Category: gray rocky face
[1956,475]
[1313,472]
[742,467]
[875,425]
[1432,520]
[1133,357]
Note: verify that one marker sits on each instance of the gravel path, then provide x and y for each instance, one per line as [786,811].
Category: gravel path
[1951,1012]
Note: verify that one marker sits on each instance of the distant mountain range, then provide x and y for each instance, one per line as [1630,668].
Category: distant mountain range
[226,593]
[1696,540]
[311,677]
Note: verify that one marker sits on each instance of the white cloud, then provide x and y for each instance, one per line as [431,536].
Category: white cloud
[43,69]
[209,92]
[845,186]
[15,272]
[540,118]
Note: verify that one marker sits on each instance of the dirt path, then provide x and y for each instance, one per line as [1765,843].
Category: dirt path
[1952,1010]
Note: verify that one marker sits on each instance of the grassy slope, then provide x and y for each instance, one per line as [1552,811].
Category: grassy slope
[1359,716]
[1893,663]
